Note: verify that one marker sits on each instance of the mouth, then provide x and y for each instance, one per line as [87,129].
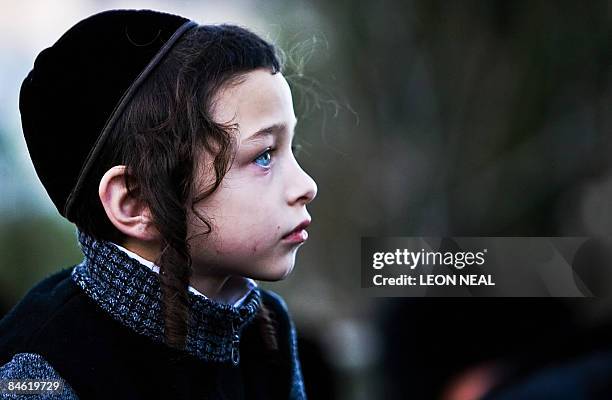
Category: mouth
[298,234]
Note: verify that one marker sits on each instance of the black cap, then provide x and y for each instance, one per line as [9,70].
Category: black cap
[79,87]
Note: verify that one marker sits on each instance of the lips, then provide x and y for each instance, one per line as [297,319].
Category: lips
[303,225]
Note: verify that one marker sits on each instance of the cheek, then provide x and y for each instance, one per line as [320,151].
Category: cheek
[244,221]
[243,211]
[246,239]
[232,248]
[236,233]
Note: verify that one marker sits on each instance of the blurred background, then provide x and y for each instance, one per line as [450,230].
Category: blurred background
[467,118]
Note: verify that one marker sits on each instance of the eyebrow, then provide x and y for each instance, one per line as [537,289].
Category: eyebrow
[273,129]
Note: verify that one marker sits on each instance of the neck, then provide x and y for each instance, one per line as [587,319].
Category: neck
[148,250]
[210,285]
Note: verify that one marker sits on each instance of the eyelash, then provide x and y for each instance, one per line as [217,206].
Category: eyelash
[295,149]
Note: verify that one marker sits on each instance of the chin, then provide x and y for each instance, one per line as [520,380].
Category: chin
[276,274]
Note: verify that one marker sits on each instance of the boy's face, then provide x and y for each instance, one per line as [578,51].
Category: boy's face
[264,194]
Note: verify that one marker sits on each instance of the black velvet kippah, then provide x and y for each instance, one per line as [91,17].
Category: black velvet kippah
[79,87]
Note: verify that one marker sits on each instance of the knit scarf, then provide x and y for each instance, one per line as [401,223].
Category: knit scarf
[131,293]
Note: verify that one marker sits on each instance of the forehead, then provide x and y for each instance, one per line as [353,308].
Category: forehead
[260,99]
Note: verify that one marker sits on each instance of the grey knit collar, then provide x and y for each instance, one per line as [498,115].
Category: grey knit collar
[131,293]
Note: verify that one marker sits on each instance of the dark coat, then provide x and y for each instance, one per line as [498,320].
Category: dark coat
[99,358]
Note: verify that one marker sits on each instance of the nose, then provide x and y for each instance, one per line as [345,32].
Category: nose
[302,188]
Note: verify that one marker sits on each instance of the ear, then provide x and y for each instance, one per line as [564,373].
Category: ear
[129,215]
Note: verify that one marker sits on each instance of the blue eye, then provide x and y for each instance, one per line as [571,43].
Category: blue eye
[263,160]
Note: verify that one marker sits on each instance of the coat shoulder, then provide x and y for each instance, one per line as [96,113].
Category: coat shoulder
[39,306]
[33,366]
[276,303]
[288,336]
